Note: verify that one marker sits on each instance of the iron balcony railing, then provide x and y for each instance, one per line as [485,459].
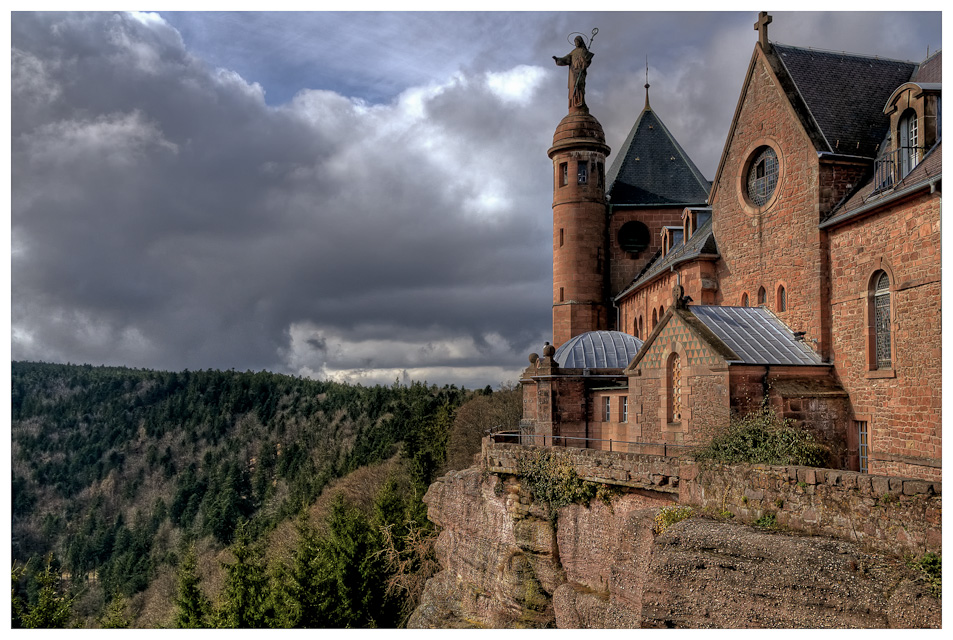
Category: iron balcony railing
[893,167]
[621,446]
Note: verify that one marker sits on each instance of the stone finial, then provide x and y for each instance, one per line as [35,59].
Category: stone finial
[679,300]
[533,358]
[549,350]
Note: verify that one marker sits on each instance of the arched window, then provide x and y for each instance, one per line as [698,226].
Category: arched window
[909,139]
[654,318]
[674,400]
[661,312]
[744,299]
[881,317]
[640,325]
[762,296]
[782,298]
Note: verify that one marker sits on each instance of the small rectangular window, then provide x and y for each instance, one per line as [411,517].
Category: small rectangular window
[562,236]
[582,172]
[563,174]
[862,444]
[606,409]
[560,294]
[624,409]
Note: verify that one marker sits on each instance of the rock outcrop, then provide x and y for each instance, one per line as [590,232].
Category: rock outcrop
[509,562]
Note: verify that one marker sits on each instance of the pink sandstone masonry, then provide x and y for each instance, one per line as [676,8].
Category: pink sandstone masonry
[885,514]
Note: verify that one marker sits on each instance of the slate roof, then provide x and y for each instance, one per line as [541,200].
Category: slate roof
[598,350]
[702,243]
[755,335]
[652,169]
[839,96]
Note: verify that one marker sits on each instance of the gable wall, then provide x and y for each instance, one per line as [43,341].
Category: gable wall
[902,405]
[704,382]
[780,243]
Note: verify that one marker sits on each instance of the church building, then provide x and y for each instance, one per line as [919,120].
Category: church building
[807,274]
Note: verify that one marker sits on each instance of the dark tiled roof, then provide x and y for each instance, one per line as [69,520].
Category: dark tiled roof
[598,350]
[652,169]
[840,97]
[701,243]
[931,69]
[865,198]
[755,334]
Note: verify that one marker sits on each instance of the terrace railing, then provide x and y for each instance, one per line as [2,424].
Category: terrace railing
[601,444]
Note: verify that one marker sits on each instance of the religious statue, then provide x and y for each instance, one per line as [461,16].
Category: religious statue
[578,60]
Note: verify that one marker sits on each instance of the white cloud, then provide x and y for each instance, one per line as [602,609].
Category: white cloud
[517,85]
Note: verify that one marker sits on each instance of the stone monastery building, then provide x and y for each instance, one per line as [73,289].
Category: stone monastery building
[807,272]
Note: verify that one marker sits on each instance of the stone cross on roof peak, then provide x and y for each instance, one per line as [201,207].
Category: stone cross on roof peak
[761,26]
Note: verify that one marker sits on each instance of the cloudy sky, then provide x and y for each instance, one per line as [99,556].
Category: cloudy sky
[356,196]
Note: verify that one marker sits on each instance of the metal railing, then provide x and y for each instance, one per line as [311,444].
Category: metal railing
[620,446]
[893,167]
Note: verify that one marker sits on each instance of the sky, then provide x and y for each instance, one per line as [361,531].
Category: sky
[363,197]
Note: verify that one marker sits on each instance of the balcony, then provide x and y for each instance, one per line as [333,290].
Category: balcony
[893,167]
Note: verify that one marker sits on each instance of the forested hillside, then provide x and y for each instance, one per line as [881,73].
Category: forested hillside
[126,480]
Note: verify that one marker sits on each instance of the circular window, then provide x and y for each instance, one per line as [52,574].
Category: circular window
[633,237]
[762,176]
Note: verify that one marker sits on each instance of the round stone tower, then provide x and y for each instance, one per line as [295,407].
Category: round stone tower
[580,259]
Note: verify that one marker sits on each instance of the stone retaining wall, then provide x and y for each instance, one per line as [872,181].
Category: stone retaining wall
[639,471]
[894,515]
[887,514]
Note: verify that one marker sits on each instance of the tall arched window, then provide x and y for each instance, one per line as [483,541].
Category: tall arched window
[762,296]
[674,400]
[640,325]
[661,312]
[654,318]
[782,298]
[881,316]
[909,146]
[744,299]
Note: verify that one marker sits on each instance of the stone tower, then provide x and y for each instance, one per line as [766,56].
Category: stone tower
[580,261]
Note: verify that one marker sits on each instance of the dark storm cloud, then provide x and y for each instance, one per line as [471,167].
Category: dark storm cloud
[387,214]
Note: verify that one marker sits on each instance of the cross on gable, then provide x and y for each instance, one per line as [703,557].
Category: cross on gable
[761,26]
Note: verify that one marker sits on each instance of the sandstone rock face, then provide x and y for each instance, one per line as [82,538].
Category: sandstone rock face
[508,563]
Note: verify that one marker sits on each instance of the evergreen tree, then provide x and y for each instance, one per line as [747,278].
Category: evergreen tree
[53,607]
[245,599]
[115,614]
[192,608]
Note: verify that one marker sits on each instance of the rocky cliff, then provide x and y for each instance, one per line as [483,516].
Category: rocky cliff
[509,562]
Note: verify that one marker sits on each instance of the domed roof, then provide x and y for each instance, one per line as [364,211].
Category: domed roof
[598,350]
[579,129]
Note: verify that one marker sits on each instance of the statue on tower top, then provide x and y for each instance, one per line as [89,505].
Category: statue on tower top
[578,60]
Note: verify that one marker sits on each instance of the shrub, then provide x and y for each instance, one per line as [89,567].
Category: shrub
[667,516]
[763,437]
[929,567]
[552,478]
[767,521]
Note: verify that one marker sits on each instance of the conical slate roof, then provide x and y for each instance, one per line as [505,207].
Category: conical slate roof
[652,169]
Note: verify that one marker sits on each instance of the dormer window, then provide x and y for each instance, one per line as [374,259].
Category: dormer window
[692,219]
[671,238]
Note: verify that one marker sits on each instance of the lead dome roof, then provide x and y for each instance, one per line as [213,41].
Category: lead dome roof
[598,350]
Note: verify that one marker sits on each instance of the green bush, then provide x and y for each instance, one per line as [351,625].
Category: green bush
[552,478]
[667,516]
[929,566]
[763,437]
